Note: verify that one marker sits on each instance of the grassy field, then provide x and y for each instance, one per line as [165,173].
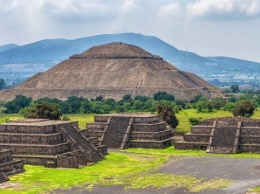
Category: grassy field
[184,115]
[82,119]
[132,170]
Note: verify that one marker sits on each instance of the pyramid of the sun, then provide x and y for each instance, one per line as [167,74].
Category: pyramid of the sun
[112,71]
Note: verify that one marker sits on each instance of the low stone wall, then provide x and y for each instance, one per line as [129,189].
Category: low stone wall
[150,144]
[249,148]
[9,128]
[196,137]
[151,136]
[249,139]
[5,156]
[37,149]
[48,139]
[250,131]
[148,120]
[13,167]
[149,127]
[101,119]
[201,129]
[191,145]
[96,126]
[48,161]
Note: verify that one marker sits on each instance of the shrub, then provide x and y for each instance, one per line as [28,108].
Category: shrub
[194,121]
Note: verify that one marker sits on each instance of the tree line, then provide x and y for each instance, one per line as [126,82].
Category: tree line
[243,105]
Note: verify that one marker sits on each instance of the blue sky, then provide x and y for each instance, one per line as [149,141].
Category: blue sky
[207,27]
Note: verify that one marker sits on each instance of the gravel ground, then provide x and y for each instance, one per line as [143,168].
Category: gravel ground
[245,172]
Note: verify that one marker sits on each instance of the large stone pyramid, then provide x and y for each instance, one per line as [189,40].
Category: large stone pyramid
[112,71]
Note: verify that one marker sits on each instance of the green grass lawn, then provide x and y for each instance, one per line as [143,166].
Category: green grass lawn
[82,119]
[184,115]
[132,170]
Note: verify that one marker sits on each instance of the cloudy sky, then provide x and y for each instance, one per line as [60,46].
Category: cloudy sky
[207,27]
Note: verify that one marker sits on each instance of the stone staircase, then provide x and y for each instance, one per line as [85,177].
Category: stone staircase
[8,165]
[223,135]
[122,131]
[49,143]
[3,177]
[116,131]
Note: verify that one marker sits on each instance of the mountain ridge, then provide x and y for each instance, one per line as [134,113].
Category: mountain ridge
[51,51]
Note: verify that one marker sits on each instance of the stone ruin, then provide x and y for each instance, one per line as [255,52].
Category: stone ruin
[122,131]
[223,135]
[8,165]
[50,143]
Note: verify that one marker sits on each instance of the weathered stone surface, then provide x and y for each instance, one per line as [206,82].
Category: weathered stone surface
[223,135]
[9,166]
[50,143]
[112,71]
[130,130]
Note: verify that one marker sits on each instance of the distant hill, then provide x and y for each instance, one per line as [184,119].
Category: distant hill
[50,52]
[7,47]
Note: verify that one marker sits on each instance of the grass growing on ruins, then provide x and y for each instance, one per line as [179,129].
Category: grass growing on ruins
[81,118]
[184,115]
[131,170]
[254,190]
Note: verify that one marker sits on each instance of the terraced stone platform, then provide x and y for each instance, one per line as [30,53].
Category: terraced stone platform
[129,130]
[223,135]
[50,143]
[8,165]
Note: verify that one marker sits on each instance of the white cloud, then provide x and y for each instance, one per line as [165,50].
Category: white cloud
[224,9]
[172,9]
[200,25]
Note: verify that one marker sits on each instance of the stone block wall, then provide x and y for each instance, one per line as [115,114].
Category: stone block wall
[147,131]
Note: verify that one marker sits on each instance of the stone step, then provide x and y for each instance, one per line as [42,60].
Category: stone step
[249,148]
[191,145]
[45,160]
[3,177]
[12,167]
[93,140]
[36,148]
[26,138]
[166,134]
[201,130]
[188,137]
[30,129]
[154,127]
[249,139]
[250,131]
[150,143]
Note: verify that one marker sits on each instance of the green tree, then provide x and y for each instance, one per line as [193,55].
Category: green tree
[234,88]
[162,95]
[167,114]
[43,110]
[243,108]
[2,83]
[17,104]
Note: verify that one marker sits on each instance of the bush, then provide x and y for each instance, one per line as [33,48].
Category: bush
[167,114]
[194,121]
[244,108]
